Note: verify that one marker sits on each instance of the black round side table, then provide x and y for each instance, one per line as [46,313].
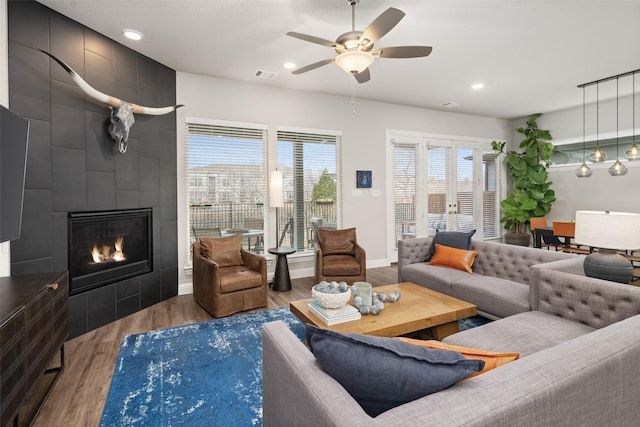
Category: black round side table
[281,279]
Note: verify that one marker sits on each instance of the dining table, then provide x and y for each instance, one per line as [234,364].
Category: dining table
[248,234]
[541,232]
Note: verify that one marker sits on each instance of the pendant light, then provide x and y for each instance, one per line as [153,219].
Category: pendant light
[598,155]
[617,169]
[633,153]
[583,171]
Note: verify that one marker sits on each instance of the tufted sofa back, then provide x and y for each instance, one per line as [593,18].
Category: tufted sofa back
[494,259]
[511,262]
[561,288]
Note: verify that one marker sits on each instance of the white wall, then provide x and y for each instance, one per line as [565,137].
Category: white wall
[363,141]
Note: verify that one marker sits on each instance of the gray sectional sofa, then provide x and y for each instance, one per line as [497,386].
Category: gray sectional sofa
[579,366]
[499,284]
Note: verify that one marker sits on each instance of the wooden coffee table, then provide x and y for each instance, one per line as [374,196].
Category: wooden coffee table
[419,310]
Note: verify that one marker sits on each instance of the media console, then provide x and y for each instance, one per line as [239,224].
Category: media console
[34,324]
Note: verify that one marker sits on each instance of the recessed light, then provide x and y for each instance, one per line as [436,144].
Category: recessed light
[132,34]
[289,65]
[477,86]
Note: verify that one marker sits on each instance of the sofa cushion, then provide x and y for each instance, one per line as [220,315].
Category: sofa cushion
[492,359]
[340,265]
[225,251]
[337,242]
[453,239]
[382,373]
[432,276]
[493,295]
[526,333]
[238,278]
[460,259]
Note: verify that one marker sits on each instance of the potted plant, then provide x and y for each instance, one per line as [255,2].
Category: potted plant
[532,195]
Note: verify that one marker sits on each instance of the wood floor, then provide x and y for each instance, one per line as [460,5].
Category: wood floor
[79,395]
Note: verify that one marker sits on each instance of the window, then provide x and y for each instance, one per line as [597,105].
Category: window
[309,161]
[226,176]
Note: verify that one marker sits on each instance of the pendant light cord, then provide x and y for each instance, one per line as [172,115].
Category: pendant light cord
[617,118]
[584,145]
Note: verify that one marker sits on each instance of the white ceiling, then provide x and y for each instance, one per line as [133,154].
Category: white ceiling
[530,55]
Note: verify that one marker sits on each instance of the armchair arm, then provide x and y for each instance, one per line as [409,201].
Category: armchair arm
[256,263]
[361,257]
[206,275]
[318,263]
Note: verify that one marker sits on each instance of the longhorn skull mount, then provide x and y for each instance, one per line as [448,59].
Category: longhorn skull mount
[121,111]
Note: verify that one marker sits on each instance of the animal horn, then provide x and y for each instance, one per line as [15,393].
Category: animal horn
[111,101]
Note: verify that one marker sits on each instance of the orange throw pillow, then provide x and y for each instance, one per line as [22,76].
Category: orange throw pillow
[460,259]
[491,359]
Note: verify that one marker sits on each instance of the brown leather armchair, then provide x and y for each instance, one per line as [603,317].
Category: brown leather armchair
[339,257]
[226,278]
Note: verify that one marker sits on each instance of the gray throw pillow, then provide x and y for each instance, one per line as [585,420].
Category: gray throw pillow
[453,239]
[382,373]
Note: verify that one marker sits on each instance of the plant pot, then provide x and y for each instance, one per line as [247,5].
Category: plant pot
[520,239]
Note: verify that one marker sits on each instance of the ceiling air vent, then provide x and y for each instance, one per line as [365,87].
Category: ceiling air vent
[263,74]
[449,105]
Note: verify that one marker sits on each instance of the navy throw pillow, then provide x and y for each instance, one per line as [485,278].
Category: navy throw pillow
[382,373]
[453,239]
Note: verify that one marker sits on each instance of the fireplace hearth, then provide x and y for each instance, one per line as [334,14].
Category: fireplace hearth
[108,246]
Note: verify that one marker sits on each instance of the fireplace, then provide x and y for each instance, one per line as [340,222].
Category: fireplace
[107,247]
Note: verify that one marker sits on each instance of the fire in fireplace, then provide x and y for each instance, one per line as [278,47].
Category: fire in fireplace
[109,246]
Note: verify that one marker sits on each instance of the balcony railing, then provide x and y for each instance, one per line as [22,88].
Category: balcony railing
[237,216]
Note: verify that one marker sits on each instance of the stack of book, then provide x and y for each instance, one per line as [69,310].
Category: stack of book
[333,316]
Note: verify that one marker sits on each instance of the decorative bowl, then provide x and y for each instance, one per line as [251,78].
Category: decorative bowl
[331,300]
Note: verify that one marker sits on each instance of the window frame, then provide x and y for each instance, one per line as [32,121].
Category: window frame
[302,221]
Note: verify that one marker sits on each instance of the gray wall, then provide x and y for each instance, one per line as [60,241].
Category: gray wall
[600,191]
[73,165]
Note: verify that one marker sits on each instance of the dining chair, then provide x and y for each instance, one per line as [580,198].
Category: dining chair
[565,231]
[548,239]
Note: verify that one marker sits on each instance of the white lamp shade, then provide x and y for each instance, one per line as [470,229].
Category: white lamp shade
[354,61]
[276,196]
[608,230]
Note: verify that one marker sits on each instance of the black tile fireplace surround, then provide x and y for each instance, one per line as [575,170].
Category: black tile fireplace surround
[108,246]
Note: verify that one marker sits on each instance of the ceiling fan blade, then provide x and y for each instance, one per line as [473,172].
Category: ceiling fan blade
[381,25]
[402,51]
[313,66]
[312,39]
[363,76]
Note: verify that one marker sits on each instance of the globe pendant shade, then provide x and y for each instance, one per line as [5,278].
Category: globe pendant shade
[617,169]
[584,171]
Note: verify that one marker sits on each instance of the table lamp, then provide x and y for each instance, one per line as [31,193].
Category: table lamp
[276,196]
[609,232]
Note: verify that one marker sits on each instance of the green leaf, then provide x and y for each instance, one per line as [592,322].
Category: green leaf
[532,194]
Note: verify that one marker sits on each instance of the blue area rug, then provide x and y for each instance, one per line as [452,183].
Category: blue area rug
[472,322]
[205,374]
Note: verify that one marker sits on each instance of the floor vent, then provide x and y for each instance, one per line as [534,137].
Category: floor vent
[263,74]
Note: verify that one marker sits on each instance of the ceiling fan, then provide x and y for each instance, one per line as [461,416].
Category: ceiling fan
[355,48]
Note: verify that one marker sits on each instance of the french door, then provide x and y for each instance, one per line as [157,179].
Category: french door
[442,184]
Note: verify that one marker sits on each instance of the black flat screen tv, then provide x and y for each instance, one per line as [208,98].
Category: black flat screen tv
[14,138]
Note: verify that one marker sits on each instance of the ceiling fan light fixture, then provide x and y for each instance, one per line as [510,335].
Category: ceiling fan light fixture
[354,61]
